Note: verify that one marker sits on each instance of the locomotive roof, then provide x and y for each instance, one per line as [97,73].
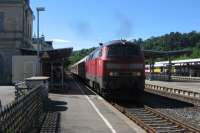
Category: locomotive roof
[114,42]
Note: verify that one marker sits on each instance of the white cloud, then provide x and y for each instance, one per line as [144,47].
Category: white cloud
[61,41]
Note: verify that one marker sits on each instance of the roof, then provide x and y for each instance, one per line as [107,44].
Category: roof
[165,63]
[49,55]
[57,54]
[116,42]
[157,54]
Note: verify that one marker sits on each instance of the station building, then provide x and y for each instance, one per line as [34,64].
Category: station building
[16,22]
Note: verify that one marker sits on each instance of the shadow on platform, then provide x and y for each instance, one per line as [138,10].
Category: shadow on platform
[72,88]
[51,122]
[56,106]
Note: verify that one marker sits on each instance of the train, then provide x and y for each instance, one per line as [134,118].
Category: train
[186,67]
[115,68]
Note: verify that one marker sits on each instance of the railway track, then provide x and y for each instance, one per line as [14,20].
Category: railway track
[154,121]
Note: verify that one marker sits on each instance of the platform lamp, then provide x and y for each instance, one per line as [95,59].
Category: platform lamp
[39,9]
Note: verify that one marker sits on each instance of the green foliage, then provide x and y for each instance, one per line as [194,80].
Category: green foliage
[78,55]
[174,41]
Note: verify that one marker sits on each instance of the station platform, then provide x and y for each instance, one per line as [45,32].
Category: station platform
[82,111]
[182,85]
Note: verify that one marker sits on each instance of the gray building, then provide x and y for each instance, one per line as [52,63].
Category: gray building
[44,45]
[16,21]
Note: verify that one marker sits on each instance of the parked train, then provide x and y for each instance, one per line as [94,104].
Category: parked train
[116,68]
[187,67]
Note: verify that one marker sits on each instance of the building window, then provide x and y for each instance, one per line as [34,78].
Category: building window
[1,21]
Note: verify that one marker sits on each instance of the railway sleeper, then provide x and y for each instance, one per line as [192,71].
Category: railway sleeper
[144,114]
[164,128]
[168,128]
[155,124]
[137,110]
[172,131]
[149,117]
[155,121]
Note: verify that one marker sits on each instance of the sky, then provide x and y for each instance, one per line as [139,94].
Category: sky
[86,23]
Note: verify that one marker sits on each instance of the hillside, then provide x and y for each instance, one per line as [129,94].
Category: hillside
[167,42]
[79,54]
[174,41]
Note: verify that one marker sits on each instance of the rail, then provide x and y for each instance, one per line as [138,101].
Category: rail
[178,94]
[25,114]
[154,121]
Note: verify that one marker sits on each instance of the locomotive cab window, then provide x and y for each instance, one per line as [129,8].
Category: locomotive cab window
[97,54]
[115,50]
[123,50]
[132,50]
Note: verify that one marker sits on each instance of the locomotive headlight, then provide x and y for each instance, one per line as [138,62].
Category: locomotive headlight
[113,74]
[136,73]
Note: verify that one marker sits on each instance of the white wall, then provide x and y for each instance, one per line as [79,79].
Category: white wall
[25,67]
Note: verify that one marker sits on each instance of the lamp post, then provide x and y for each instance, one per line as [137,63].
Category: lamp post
[38,29]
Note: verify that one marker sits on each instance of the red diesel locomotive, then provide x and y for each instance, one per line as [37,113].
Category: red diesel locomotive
[115,68]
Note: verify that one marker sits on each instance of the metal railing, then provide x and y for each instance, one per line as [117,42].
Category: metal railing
[20,89]
[165,77]
[178,94]
[160,77]
[185,78]
[25,114]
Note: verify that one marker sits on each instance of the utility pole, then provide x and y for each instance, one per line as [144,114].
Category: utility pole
[38,29]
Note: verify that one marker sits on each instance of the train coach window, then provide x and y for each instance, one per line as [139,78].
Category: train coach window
[97,54]
[100,52]
[90,56]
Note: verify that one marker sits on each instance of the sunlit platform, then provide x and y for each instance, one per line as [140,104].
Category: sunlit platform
[82,111]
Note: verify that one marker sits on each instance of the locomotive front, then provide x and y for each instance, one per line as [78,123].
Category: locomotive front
[123,69]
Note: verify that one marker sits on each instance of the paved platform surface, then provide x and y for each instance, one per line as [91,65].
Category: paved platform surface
[81,111]
[188,85]
[7,94]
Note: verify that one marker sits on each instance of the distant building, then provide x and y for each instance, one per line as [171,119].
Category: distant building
[44,45]
[16,22]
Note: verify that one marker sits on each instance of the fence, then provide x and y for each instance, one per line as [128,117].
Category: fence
[24,115]
[175,93]
[165,77]
[161,77]
[185,78]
